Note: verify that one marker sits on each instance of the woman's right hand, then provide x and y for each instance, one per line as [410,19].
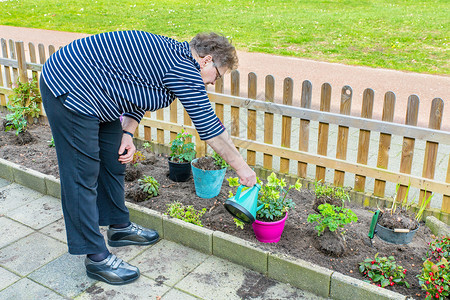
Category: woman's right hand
[246,176]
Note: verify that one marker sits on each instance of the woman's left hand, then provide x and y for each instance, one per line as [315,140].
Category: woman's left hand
[128,147]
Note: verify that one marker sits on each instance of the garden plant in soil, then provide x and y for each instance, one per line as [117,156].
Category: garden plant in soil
[300,239]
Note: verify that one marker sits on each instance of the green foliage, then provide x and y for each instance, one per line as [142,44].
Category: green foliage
[272,196]
[333,217]
[181,150]
[186,213]
[405,204]
[149,185]
[219,161]
[435,276]
[383,271]
[239,223]
[51,143]
[147,146]
[322,190]
[138,157]
[24,103]
[404,35]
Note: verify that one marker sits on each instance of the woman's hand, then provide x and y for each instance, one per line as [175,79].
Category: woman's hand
[127,149]
[246,176]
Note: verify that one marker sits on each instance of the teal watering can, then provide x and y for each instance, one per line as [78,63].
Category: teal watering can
[243,205]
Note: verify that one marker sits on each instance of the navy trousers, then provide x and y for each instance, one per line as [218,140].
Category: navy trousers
[92,178]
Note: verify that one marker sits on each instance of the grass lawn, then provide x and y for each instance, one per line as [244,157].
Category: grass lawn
[409,35]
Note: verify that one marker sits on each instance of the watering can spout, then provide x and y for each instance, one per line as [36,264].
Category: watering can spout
[243,206]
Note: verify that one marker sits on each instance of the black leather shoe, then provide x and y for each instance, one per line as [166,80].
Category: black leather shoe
[111,270]
[131,235]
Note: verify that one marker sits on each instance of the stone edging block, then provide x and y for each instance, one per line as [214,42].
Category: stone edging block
[240,251]
[53,186]
[300,273]
[187,234]
[30,178]
[345,287]
[6,169]
[438,228]
[146,217]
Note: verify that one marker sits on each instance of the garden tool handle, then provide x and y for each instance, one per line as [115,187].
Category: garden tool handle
[373,224]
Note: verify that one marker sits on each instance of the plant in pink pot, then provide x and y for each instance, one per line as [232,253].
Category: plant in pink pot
[273,208]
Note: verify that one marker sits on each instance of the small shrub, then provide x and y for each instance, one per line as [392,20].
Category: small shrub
[219,161]
[51,143]
[181,150]
[23,103]
[137,158]
[439,248]
[322,190]
[147,146]
[186,213]
[149,185]
[383,271]
[435,279]
[333,217]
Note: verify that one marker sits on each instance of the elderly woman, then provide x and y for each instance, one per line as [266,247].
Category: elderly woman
[85,87]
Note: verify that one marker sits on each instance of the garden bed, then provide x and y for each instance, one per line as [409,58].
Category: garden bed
[299,237]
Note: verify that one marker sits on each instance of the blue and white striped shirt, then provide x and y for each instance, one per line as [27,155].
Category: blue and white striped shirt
[130,72]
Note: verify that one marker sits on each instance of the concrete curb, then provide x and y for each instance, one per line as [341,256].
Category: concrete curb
[438,228]
[299,273]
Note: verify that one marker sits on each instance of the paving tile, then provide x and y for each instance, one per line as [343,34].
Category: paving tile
[38,213]
[15,195]
[175,294]
[143,288]
[168,262]
[26,289]
[7,278]
[30,253]
[56,230]
[12,231]
[4,182]
[220,279]
[65,275]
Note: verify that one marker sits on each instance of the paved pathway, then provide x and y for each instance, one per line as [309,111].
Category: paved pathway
[403,84]
[34,263]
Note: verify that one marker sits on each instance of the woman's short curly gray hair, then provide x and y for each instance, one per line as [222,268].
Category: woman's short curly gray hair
[218,46]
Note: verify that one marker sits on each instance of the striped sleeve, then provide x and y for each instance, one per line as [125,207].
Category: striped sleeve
[136,115]
[185,82]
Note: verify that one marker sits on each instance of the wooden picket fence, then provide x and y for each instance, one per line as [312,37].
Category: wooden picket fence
[274,121]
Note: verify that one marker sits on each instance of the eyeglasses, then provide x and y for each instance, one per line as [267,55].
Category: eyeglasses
[218,76]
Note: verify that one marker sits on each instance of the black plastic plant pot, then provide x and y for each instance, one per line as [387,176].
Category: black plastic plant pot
[179,172]
[239,212]
[393,237]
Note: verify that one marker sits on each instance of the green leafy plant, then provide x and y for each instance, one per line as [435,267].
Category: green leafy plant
[332,217]
[322,190]
[51,143]
[239,223]
[383,271]
[435,276]
[186,213]
[181,150]
[149,185]
[219,161]
[23,103]
[435,279]
[272,196]
[137,158]
[147,146]
[405,205]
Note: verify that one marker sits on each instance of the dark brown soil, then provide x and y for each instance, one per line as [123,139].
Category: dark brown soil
[299,238]
[206,163]
[400,219]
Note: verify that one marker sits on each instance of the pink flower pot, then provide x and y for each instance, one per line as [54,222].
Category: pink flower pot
[269,232]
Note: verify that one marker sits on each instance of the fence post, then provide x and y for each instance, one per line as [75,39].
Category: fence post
[235,81]
[303,144]
[364,138]
[342,138]
[322,143]
[8,81]
[251,117]
[286,122]
[20,50]
[173,117]
[12,54]
[412,113]
[219,87]
[431,148]
[385,143]
[268,120]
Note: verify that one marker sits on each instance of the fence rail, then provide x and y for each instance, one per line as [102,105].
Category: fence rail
[331,147]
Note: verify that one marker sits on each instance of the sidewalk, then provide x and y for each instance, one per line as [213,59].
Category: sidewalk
[34,263]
